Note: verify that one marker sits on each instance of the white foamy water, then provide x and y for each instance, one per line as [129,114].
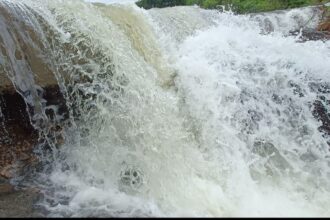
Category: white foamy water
[112,1]
[187,112]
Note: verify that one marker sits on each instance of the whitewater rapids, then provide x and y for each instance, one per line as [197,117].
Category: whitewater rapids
[184,112]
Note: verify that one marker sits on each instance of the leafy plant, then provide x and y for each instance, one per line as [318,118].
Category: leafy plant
[239,6]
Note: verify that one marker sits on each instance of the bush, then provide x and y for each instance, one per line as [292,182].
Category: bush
[239,6]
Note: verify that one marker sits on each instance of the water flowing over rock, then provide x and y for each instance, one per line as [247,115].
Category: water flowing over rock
[112,110]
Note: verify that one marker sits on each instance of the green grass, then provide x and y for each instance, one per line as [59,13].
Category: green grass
[239,6]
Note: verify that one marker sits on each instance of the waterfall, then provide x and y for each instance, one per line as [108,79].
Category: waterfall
[170,112]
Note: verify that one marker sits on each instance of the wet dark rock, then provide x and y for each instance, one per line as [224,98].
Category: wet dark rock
[319,87]
[311,35]
[277,99]
[249,126]
[18,137]
[255,115]
[26,71]
[321,106]
[296,89]
[18,203]
[324,27]
[325,21]
[6,188]
[321,32]
[322,113]
[3,180]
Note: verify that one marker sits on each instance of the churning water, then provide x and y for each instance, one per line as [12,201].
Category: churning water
[182,111]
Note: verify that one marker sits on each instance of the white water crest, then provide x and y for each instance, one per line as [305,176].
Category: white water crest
[113,1]
[186,112]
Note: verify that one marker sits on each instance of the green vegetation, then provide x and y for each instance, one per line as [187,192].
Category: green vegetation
[239,6]
[326,12]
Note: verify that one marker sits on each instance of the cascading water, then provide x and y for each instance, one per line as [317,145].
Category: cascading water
[183,112]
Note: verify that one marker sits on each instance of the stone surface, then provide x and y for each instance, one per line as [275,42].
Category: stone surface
[18,137]
[324,26]
[6,188]
[321,113]
[310,34]
[23,56]
[18,204]
[25,70]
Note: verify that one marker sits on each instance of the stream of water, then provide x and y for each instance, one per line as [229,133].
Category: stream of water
[181,111]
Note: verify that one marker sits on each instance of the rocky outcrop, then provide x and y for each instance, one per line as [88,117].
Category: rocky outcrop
[23,58]
[28,86]
[321,32]
[18,137]
[311,34]
[17,203]
[324,25]
[321,107]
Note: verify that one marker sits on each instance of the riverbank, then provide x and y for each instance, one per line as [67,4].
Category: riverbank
[241,7]
[254,6]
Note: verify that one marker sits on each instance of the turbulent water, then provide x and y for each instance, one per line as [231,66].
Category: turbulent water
[181,111]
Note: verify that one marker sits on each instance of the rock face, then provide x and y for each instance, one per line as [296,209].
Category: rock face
[321,32]
[22,52]
[28,87]
[17,203]
[311,34]
[324,25]
[6,188]
[18,137]
[321,107]
[30,102]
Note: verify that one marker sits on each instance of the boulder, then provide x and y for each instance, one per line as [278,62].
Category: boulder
[18,203]
[28,87]
[6,189]
[324,26]
[18,137]
[23,57]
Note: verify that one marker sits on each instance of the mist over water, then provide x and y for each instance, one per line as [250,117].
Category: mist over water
[184,112]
